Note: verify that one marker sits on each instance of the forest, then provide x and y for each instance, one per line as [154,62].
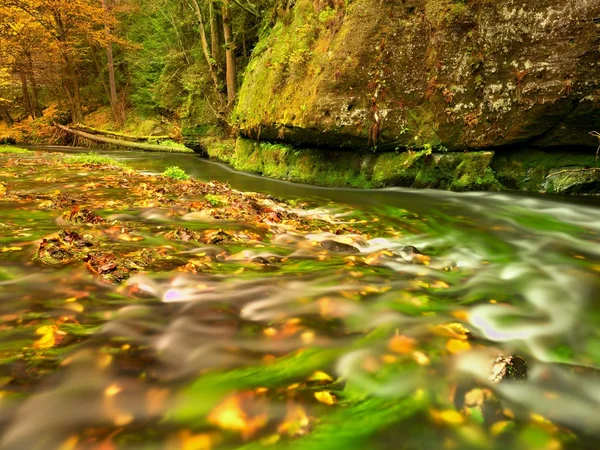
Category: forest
[170,61]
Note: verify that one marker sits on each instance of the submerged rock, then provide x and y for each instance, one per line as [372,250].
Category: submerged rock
[508,368]
[338,247]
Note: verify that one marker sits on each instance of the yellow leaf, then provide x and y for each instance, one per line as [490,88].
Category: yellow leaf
[457,346]
[10,249]
[112,390]
[320,376]
[420,358]
[47,340]
[389,359]
[448,417]
[308,337]
[325,397]
[499,427]
[454,330]
[77,307]
[229,415]
[270,332]
[130,238]
[461,314]
[70,443]
[189,441]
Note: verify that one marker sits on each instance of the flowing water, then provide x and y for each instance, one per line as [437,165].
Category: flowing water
[288,345]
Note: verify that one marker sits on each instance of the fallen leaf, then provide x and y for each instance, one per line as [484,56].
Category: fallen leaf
[325,397]
[457,346]
[401,344]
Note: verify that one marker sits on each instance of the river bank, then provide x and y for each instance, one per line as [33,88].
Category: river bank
[510,169]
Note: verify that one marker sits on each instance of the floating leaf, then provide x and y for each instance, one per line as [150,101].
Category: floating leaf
[401,344]
[320,376]
[47,340]
[447,417]
[457,346]
[325,397]
[230,415]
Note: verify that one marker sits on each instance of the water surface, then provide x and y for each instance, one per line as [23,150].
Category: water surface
[283,344]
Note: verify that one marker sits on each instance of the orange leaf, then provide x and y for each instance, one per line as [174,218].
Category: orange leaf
[230,415]
[401,344]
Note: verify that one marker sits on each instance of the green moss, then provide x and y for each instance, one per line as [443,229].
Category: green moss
[526,169]
[175,172]
[10,149]
[280,82]
[475,173]
[459,171]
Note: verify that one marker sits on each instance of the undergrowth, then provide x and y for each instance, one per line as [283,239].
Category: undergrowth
[175,172]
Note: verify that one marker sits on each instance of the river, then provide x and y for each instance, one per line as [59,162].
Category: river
[385,348]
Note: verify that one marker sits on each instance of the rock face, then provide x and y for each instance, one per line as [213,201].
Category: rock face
[420,74]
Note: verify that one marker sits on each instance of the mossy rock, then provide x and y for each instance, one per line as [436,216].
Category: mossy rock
[475,75]
[574,180]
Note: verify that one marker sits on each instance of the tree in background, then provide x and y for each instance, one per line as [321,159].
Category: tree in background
[178,59]
[66,26]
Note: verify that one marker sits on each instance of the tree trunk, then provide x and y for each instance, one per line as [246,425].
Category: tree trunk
[122,143]
[229,54]
[214,35]
[35,105]
[211,63]
[25,90]
[71,86]
[114,100]
[69,95]
[98,65]
[5,115]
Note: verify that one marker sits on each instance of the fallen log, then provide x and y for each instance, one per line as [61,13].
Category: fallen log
[127,144]
[115,134]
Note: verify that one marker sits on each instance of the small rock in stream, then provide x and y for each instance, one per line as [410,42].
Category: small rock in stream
[507,368]
[338,247]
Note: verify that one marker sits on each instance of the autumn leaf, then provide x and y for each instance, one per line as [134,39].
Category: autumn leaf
[47,339]
[453,330]
[401,344]
[325,397]
[447,417]
[229,415]
[320,376]
[457,346]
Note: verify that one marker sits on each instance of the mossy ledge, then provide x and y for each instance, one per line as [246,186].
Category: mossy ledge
[337,168]
[514,169]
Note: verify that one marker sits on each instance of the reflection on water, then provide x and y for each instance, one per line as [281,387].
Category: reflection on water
[399,341]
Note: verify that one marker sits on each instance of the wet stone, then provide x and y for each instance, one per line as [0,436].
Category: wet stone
[338,247]
[508,368]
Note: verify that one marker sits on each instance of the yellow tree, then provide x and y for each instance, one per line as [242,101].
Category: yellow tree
[69,25]
[19,44]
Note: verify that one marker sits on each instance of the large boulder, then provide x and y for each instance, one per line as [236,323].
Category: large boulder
[460,74]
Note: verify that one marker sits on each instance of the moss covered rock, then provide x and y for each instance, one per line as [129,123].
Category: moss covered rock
[463,74]
[339,168]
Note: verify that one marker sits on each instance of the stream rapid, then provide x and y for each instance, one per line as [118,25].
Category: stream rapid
[294,344]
